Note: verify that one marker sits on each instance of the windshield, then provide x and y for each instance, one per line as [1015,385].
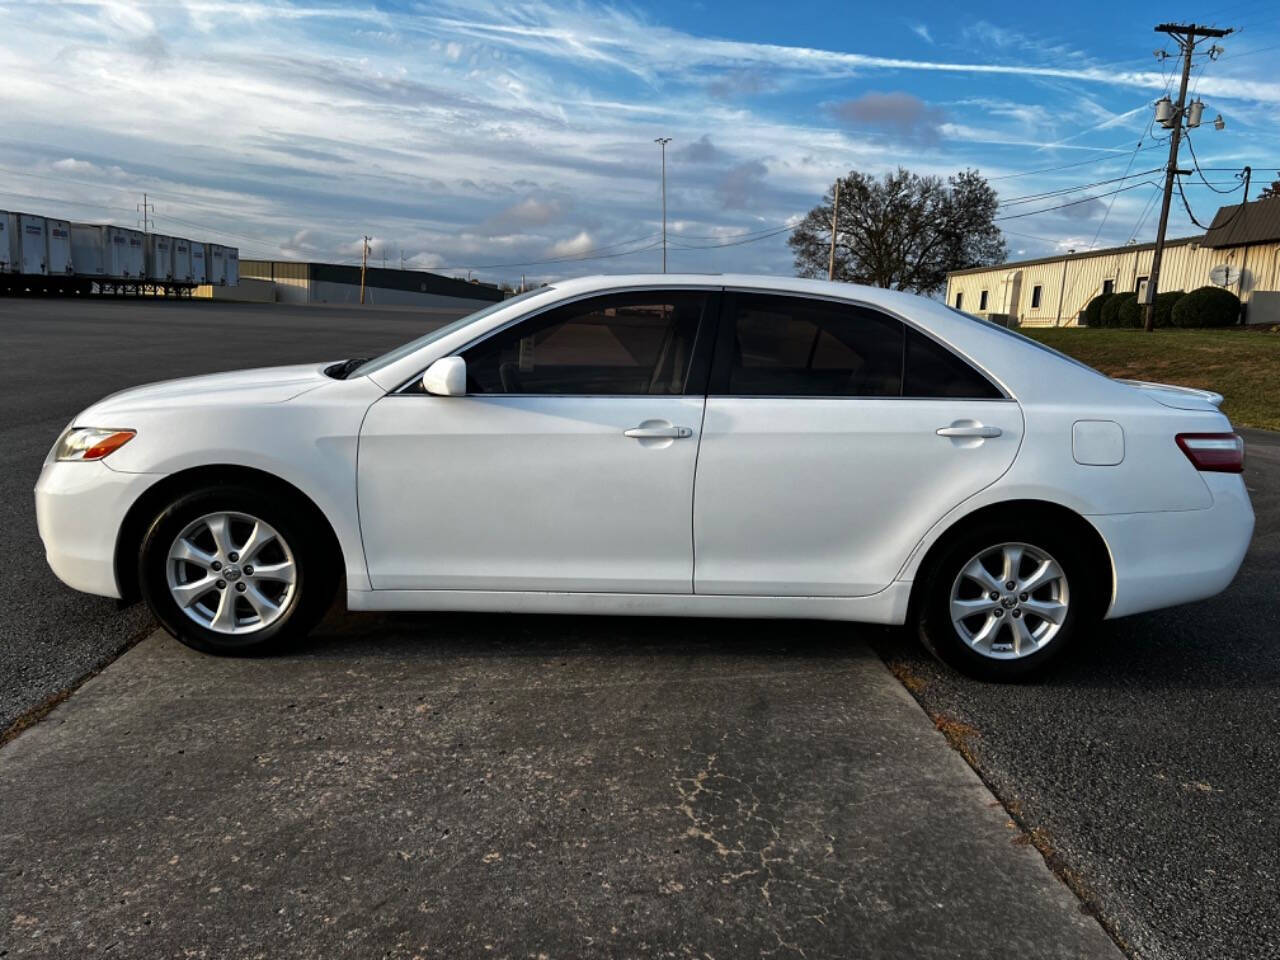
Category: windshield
[1025,339]
[402,351]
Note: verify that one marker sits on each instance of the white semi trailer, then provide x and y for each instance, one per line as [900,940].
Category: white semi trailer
[59,263]
[26,254]
[199,262]
[181,261]
[48,255]
[159,258]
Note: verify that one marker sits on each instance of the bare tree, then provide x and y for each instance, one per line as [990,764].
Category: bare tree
[903,231]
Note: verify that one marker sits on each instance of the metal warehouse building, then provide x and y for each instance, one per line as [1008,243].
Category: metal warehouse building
[1244,240]
[297,282]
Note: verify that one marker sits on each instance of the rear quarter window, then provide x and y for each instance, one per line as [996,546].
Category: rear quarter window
[931,370]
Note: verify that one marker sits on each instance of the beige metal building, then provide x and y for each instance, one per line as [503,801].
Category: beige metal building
[1053,291]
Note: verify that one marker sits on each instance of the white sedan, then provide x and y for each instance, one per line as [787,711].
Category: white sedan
[727,446]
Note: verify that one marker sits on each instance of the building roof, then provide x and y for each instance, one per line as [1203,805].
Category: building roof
[1081,255]
[1257,222]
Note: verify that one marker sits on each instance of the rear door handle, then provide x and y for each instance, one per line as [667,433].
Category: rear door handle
[658,433]
[975,430]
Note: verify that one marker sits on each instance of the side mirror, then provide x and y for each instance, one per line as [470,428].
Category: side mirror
[447,377]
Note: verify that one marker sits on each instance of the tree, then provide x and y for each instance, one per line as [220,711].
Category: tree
[1270,191]
[903,231]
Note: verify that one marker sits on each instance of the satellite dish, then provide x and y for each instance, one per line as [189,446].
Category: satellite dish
[1224,275]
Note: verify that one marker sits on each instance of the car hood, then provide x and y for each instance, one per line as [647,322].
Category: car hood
[1180,398]
[263,385]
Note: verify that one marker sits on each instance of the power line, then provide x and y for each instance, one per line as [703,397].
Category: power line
[738,243]
[1096,196]
[1146,212]
[1246,174]
[1064,166]
[1063,191]
[1196,163]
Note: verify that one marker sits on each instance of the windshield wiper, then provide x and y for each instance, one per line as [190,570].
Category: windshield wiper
[340,371]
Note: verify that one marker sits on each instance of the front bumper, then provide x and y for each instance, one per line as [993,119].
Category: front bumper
[1169,557]
[79,510]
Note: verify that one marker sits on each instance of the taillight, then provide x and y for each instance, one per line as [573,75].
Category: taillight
[1213,452]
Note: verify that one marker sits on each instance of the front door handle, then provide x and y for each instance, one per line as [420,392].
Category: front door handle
[970,430]
[658,433]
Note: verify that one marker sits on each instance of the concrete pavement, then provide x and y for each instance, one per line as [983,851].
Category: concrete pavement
[457,786]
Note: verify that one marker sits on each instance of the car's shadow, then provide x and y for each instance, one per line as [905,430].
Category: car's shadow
[479,635]
[1209,645]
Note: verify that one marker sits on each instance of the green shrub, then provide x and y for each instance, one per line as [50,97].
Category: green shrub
[1164,307]
[1131,314]
[1111,309]
[1207,307]
[1093,312]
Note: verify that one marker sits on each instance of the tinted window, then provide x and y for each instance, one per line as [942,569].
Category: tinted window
[1035,297]
[402,351]
[931,370]
[618,344]
[793,347]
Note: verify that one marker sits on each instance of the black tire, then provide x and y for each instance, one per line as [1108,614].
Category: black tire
[933,612]
[316,570]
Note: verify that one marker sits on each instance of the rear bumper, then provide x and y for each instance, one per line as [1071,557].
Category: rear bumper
[1170,557]
[79,510]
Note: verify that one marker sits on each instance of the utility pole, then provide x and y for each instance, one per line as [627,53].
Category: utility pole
[662,142]
[145,208]
[1186,35]
[364,265]
[835,219]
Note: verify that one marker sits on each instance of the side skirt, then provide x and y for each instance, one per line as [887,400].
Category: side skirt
[889,606]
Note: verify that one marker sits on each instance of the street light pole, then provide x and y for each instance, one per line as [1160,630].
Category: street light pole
[662,142]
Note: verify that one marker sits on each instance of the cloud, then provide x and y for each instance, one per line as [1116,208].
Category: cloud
[922,31]
[72,165]
[739,83]
[1089,210]
[476,133]
[530,212]
[701,150]
[902,115]
[574,246]
[741,185]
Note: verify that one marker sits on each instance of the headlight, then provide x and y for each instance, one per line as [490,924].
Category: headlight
[90,443]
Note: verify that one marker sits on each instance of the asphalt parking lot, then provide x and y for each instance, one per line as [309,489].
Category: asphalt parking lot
[62,355]
[1146,771]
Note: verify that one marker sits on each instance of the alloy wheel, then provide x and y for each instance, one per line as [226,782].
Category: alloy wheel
[231,573]
[1009,601]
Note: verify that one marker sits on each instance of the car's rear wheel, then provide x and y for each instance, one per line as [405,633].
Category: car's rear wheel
[1003,601]
[230,570]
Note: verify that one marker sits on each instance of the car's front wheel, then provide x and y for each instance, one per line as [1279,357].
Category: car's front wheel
[1004,600]
[230,570]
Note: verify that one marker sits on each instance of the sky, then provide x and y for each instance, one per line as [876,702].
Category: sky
[496,140]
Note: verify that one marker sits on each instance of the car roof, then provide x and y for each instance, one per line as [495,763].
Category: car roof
[772,282]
